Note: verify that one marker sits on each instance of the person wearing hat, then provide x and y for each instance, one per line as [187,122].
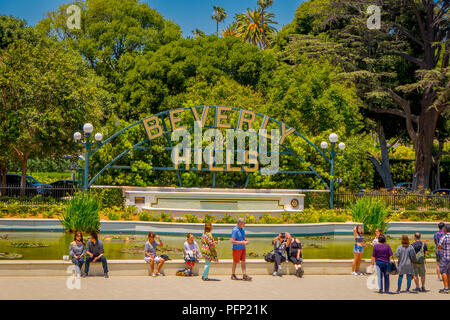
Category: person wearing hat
[279,252]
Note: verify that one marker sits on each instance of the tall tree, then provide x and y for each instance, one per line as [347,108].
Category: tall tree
[264,4]
[46,93]
[219,14]
[251,28]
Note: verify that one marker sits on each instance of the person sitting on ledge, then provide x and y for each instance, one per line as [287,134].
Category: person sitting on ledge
[77,250]
[191,253]
[150,254]
[94,253]
[279,249]
[295,253]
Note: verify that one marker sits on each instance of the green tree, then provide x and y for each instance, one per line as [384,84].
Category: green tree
[113,33]
[255,26]
[219,14]
[47,92]
[264,4]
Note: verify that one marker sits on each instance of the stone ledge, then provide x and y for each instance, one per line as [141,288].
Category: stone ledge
[223,267]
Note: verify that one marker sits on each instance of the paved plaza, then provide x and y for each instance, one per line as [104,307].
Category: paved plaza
[181,288]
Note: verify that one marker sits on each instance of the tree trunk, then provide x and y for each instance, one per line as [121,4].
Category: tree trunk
[424,145]
[3,180]
[383,168]
[436,177]
[23,179]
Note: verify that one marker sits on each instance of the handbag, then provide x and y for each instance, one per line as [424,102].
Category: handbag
[392,268]
[269,257]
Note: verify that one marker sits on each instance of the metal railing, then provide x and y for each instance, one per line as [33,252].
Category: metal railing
[31,194]
[396,201]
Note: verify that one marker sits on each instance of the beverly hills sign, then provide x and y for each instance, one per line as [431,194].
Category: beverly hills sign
[243,149]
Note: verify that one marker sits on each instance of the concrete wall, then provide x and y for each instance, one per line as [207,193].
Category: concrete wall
[257,230]
[140,268]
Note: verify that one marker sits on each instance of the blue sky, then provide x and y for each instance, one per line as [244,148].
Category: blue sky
[188,14]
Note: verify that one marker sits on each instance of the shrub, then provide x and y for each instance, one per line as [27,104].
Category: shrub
[190,218]
[165,217]
[228,219]
[113,215]
[82,213]
[144,216]
[371,212]
[109,197]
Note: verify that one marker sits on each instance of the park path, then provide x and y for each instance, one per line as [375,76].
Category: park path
[181,288]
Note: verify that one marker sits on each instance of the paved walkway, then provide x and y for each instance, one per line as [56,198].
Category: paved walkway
[175,288]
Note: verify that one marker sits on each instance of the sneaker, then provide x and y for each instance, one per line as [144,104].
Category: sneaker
[246,278]
[154,274]
[354,273]
[416,289]
[85,275]
[160,274]
[300,272]
[445,291]
[106,275]
[275,274]
[233,277]
[424,290]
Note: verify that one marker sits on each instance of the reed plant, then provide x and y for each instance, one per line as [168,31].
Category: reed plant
[82,213]
[371,212]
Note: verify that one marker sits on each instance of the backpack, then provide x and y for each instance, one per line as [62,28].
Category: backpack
[183,273]
[269,257]
[420,256]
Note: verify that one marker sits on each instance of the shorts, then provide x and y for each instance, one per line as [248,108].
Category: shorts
[358,248]
[419,269]
[156,260]
[444,265]
[294,260]
[238,255]
[438,257]
[190,262]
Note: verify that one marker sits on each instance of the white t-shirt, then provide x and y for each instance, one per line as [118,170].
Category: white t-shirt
[189,250]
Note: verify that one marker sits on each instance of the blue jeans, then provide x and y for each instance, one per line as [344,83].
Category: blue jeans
[383,272]
[89,260]
[78,264]
[206,269]
[408,281]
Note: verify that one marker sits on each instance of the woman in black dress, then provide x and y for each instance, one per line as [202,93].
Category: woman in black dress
[295,255]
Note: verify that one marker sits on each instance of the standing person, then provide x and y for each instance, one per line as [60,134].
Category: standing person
[150,254]
[437,238]
[94,253]
[239,242]
[378,233]
[421,249]
[381,255]
[295,254]
[406,255]
[279,252]
[208,250]
[77,250]
[444,267]
[191,252]
[357,249]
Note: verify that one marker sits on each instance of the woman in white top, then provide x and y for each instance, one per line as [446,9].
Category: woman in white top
[378,232]
[191,252]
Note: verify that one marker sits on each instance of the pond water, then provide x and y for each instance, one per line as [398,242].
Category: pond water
[131,246]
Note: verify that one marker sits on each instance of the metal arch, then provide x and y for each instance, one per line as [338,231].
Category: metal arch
[163,116]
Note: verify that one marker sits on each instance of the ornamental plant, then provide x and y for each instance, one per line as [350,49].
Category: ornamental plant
[82,213]
[371,212]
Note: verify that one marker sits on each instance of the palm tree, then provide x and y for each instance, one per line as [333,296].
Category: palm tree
[231,30]
[251,28]
[197,33]
[219,15]
[264,4]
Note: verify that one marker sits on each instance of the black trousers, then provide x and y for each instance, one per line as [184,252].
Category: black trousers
[278,260]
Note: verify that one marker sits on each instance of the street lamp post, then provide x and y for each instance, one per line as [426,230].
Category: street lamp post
[324,145]
[88,129]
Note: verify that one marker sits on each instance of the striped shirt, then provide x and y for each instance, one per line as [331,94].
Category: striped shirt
[445,244]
